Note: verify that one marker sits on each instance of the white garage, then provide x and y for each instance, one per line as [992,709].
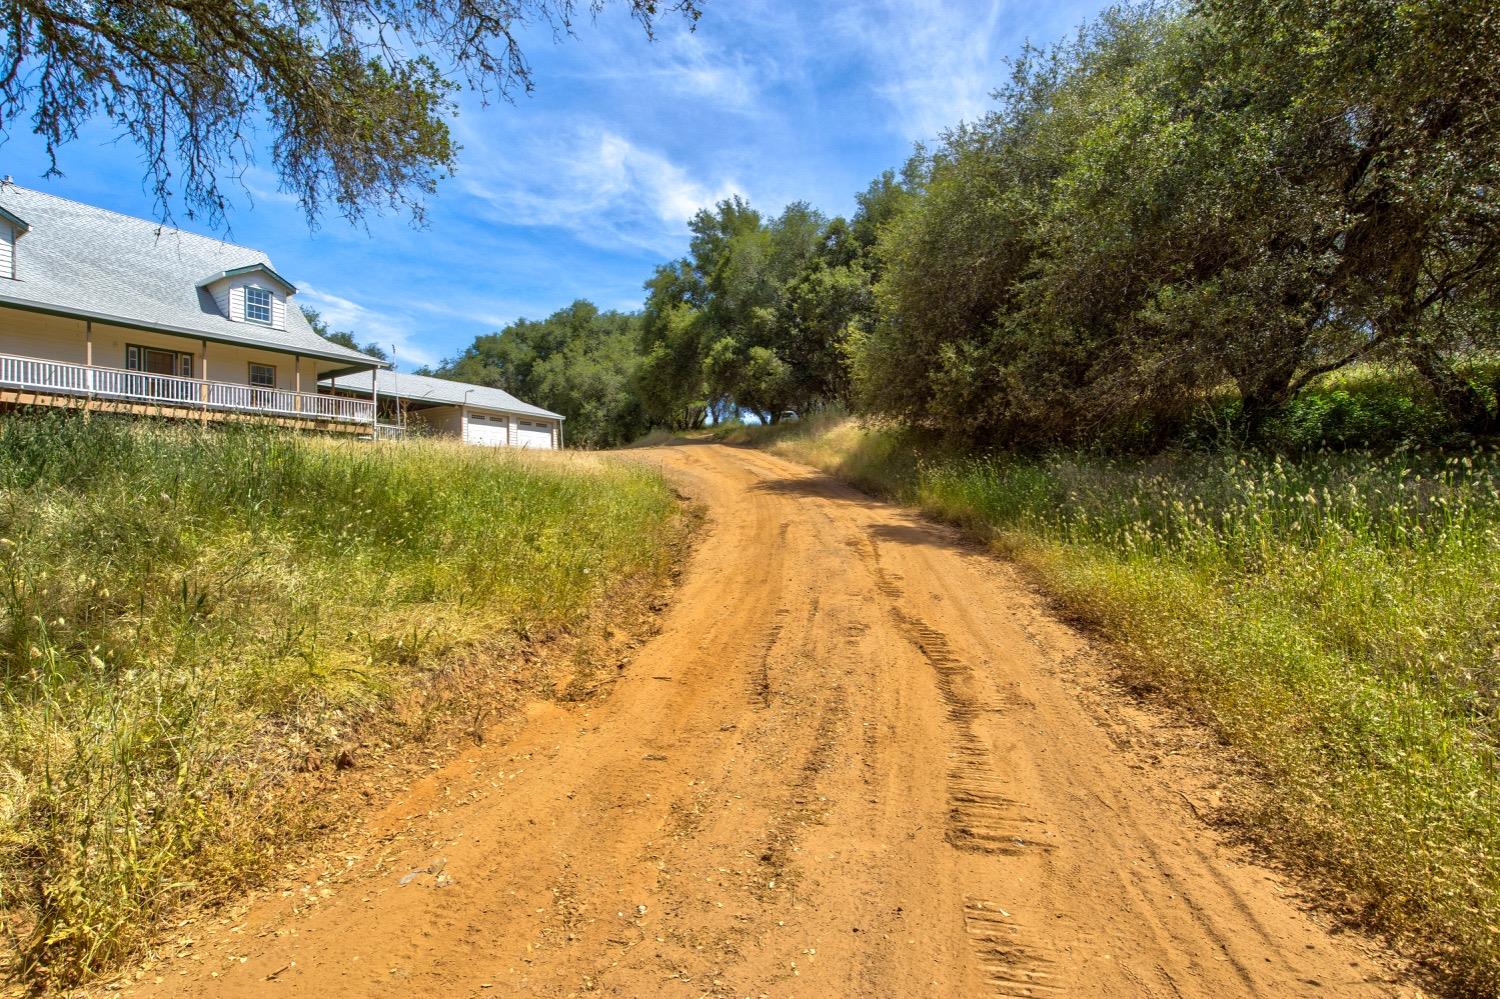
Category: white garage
[533,434]
[476,414]
[491,430]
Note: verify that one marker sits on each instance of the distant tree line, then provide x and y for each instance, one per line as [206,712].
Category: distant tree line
[756,319]
[1182,207]
[579,361]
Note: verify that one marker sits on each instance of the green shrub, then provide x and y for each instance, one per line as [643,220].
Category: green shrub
[1367,408]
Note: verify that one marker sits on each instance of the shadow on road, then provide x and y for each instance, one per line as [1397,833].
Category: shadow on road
[911,528]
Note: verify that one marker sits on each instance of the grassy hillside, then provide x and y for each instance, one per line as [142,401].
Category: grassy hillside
[187,618]
[1336,618]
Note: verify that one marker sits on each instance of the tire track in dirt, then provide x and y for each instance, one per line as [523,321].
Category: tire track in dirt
[767,651]
[981,817]
[1011,961]
[803,805]
[760,676]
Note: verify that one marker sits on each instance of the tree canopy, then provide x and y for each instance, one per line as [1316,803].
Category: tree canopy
[1234,195]
[757,315]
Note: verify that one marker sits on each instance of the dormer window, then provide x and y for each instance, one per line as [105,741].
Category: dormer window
[250,294]
[258,305]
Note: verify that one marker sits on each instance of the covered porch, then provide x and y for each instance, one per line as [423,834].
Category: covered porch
[38,381]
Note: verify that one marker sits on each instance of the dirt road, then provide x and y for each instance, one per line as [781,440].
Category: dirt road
[859,760]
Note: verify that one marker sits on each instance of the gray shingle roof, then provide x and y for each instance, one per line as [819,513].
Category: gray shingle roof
[423,388]
[85,261]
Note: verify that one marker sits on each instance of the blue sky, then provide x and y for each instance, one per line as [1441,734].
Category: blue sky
[582,188]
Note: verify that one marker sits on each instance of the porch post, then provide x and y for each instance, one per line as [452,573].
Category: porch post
[374,404]
[297,383]
[88,355]
[203,387]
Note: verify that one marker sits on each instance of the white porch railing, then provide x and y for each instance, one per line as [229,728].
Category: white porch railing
[59,378]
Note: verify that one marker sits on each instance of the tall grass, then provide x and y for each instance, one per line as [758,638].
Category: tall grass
[185,615]
[1336,617]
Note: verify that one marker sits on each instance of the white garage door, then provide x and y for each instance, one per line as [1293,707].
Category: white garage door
[533,435]
[487,430]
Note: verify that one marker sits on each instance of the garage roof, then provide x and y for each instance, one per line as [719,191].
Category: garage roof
[425,388]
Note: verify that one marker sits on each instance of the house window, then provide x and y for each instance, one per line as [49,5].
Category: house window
[262,379]
[258,305]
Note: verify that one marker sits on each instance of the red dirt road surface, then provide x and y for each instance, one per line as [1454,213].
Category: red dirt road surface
[859,760]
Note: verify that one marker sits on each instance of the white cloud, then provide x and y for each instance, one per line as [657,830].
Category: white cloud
[599,186]
[733,85]
[691,65]
[935,63]
[685,64]
[388,329]
[490,318]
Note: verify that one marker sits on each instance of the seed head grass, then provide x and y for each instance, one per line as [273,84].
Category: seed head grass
[183,612]
[1336,618]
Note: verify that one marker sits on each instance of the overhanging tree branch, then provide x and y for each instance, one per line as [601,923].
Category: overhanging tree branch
[350,92]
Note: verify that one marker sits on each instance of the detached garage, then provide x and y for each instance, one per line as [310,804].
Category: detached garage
[477,414]
[533,433]
[489,430]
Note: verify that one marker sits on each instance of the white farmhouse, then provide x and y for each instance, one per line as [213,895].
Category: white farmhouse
[104,311]
[475,413]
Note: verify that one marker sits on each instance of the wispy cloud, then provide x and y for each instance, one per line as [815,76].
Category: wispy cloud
[491,316]
[687,65]
[386,328]
[710,73]
[263,189]
[598,185]
[935,62]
